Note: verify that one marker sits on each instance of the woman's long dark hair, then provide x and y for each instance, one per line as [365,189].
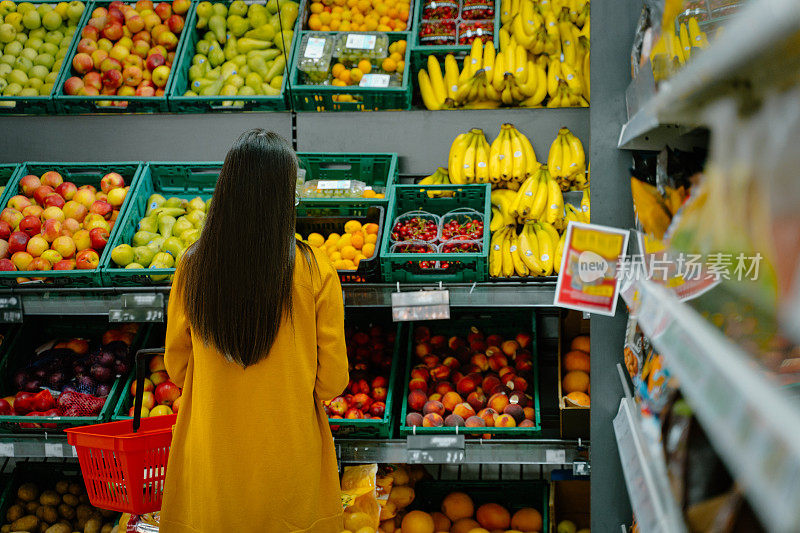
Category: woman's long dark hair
[237,278]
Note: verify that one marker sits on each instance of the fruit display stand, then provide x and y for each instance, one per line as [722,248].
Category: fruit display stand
[45,104]
[79,174]
[321,97]
[468,266]
[378,171]
[17,350]
[77,104]
[179,102]
[505,324]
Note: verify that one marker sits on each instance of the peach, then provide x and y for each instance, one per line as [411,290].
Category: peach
[477,399]
[526,424]
[524,339]
[422,349]
[492,350]
[504,371]
[518,384]
[505,421]
[19,202]
[455,377]
[51,229]
[433,407]
[53,212]
[443,387]
[517,412]
[491,384]
[494,340]
[464,410]
[530,413]
[29,183]
[456,342]
[418,384]
[435,397]
[451,362]
[478,346]
[417,400]
[466,385]
[413,419]
[510,347]
[454,420]
[433,420]
[430,361]
[480,361]
[420,372]
[475,422]
[498,402]
[65,246]
[21,260]
[451,399]
[440,372]
[498,361]
[488,415]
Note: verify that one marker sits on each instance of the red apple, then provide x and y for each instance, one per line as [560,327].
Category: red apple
[89,91]
[11,216]
[112,79]
[19,202]
[98,56]
[102,208]
[115,15]
[159,377]
[91,33]
[148,400]
[180,6]
[163,10]
[65,264]
[73,86]
[154,60]
[31,226]
[21,260]
[134,22]
[6,265]
[99,237]
[113,31]
[87,45]
[132,76]
[40,264]
[168,40]
[29,183]
[166,393]
[5,230]
[145,91]
[67,190]
[87,259]
[54,200]
[142,5]
[82,63]
[112,180]
[148,386]
[17,242]
[110,63]
[43,192]
[99,12]
[176,404]
[65,246]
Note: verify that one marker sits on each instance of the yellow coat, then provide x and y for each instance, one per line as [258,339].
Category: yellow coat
[252,450]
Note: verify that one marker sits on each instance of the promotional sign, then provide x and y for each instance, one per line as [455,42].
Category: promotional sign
[587,279]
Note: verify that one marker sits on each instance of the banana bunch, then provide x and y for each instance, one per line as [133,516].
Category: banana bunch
[517,78]
[511,157]
[468,161]
[534,251]
[673,50]
[538,198]
[440,177]
[567,161]
[436,93]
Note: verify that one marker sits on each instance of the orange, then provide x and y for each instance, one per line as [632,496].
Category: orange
[352,3]
[343,241]
[579,399]
[581,342]
[357,241]
[457,505]
[358,18]
[316,7]
[352,226]
[403,12]
[401,65]
[370,238]
[364,66]
[464,525]
[364,6]
[314,23]
[493,516]
[335,256]
[577,360]
[575,381]
[417,522]
[392,12]
[355,75]
[371,228]
[325,27]
[349,264]
[384,27]
[440,522]
[348,252]
[344,76]
[371,24]
[345,26]
[337,69]
[527,520]
[333,237]
[389,65]
[315,239]
[337,10]
[335,24]
[338,83]
[382,9]
[384,20]
[341,264]
[368,250]
[397,57]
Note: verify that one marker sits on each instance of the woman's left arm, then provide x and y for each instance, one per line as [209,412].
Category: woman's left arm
[178,344]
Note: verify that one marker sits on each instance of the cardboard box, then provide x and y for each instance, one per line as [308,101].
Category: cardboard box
[574,420]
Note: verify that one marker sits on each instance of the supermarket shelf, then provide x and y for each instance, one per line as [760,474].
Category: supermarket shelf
[98,301]
[757,51]
[645,477]
[753,423]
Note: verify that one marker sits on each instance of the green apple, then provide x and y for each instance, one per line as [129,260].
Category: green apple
[34,43]
[46,89]
[54,37]
[8,59]
[6,7]
[17,76]
[45,60]
[12,89]
[51,20]
[38,72]
[22,63]
[29,91]
[62,53]
[5,70]
[32,20]
[75,10]
[38,33]
[205,9]
[7,33]
[3,84]
[134,265]
[13,48]
[25,7]
[122,255]
[15,19]
[51,77]
[44,9]
[48,48]
[30,54]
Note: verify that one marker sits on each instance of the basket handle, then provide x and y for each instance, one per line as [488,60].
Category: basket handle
[139,400]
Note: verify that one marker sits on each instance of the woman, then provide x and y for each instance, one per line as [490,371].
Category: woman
[255,336]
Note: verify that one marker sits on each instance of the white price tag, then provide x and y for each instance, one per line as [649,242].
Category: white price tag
[74,451]
[327,185]
[555,456]
[361,41]
[6,449]
[375,80]
[53,450]
[315,47]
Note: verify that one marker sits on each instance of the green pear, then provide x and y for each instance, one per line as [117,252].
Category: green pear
[199,58]
[257,17]
[175,202]
[142,238]
[211,37]
[165,223]
[205,9]
[217,25]
[165,259]
[133,266]
[277,68]
[227,90]
[247,44]
[190,236]
[181,225]
[283,40]
[196,218]
[203,48]
[258,66]
[266,55]
[237,25]
[220,10]
[264,32]
[240,60]
[172,246]
[253,81]
[198,71]
[276,82]
[216,56]
[155,244]
[245,90]
[289,12]
[149,224]
[202,23]
[122,255]
[154,202]
[197,86]
[237,7]
[214,73]
[231,50]
[228,68]
[267,90]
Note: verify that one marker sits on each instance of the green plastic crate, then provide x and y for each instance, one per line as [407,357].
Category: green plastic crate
[513,495]
[206,104]
[38,331]
[45,105]
[185,180]
[7,172]
[332,219]
[74,105]
[404,267]
[79,174]
[420,50]
[320,97]
[504,323]
[379,171]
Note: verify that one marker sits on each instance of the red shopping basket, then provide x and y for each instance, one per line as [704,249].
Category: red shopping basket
[124,463]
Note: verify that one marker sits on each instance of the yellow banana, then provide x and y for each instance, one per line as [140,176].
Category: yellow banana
[518,154]
[551,231]
[495,253]
[568,42]
[455,159]
[697,37]
[555,202]
[503,198]
[553,77]
[497,220]
[546,249]
[587,63]
[482,160]
[512,185]
[505,38]
[499,71]
[505,12]
[429,97]
[507,162]
[559,253]
[520,268]
[686,43]
[466,71]
[530,19]
[541,89]
[508,262]
[566,163]
[571,77]
[437,81]
[520,64]
[496,158]
[488,59]
[469,158]
[578,160]
[551,25]
[529,250]
[526,190]
[540,199]
[528,88]
[555,159]
[524,39]
[586,205]
[531,164]
[451,76]
[476,55]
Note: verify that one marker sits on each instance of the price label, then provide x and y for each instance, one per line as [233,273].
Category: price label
[439,449]
[136,315]
[6,449]
[53,450]
[375,80]
[315,47]
[421,305]
[10,309]
[555,456]
[327,185]
[142,300]
[361,41]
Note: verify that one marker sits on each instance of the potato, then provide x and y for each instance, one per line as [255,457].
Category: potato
[93,525]
[66,512]
[5,529]
[31,507]
[28,492]
[50,497]
[71,500]
[61,527]
[84,498]
[26,523]
[43,527]
[62,487]
[48,513]
[15,512]
[83,512]
[107,528]
[75,489]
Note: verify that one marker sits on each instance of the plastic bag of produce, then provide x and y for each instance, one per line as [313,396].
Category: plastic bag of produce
[359,497]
